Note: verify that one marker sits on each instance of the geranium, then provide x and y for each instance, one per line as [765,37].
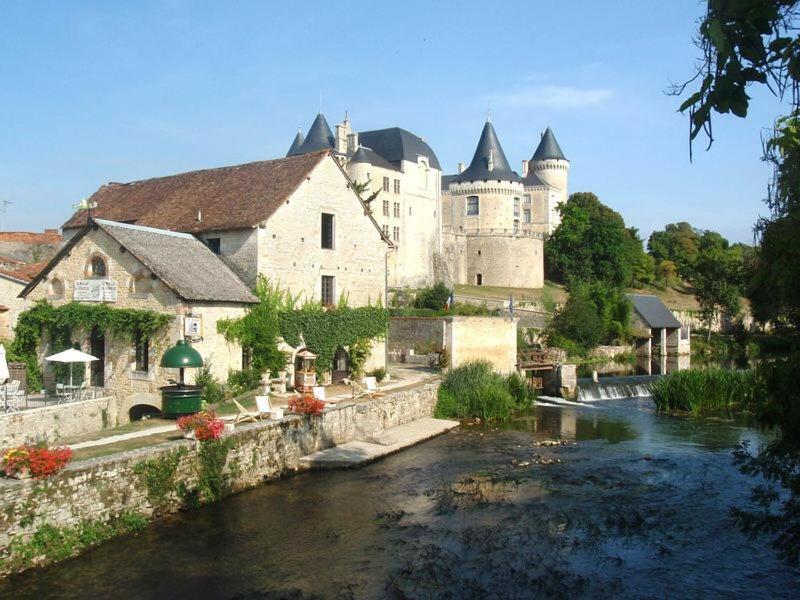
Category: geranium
[306,405]
[204,424]
[40,460]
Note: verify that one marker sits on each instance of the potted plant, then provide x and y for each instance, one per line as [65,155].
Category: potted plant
[306,405]
[201,426]
[37,461]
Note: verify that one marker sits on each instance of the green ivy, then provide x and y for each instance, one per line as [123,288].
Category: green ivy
[158,475]
[211,457]
[58,323]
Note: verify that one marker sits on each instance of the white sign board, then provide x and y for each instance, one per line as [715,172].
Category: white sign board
[193,326]
[95,290]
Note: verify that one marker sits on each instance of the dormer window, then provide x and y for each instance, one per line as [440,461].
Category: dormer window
[98,267]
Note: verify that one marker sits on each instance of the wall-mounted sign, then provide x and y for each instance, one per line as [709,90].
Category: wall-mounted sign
[192,327]
[95,290]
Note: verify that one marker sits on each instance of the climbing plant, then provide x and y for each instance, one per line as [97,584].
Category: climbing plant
[58,323]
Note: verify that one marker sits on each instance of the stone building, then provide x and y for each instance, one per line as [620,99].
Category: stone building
[657,330]
[295,220]
[484,237]
[403,173]
[131,266]
[11,305]
[29,247]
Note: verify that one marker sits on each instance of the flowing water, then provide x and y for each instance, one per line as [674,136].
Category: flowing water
[629,503]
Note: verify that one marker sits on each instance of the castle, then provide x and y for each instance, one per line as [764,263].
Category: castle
[484,225]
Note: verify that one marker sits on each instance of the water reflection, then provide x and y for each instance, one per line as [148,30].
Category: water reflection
[655,365]
[571,423]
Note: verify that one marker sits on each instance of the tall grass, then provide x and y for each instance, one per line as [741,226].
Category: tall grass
[706,391]
[474,391]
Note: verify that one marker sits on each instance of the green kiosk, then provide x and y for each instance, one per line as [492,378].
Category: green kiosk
[180,399]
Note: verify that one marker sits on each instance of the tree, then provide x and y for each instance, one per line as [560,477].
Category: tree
[592,244]
[717,280]
[678,243]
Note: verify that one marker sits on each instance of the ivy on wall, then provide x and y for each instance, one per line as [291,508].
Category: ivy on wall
[58,323]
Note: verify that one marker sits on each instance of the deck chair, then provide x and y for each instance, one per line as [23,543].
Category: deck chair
[244,414]
[320,393]
[371,383]
[359,391]
[12,396]
[265,409]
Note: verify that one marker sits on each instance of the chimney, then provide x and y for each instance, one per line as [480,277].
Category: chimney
[461,167]
[524,168]
[342,131]
[352,142]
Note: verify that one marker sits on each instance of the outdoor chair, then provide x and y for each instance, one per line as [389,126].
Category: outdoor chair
[244,414]
[320,393]
[12,396]
[372,386]
[368,390]
[265,410]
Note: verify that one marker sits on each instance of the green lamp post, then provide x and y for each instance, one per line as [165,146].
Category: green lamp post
[181,399]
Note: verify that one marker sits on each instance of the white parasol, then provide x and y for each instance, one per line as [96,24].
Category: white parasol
[71,356]
[4,373]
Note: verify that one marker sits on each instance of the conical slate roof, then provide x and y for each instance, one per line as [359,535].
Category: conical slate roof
[548,148]
[489,161]
[319,136]
[368,155]
[298,141]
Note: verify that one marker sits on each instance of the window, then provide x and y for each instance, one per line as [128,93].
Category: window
[328,291]
[396,234]
[516,225]
[141,284]
[98,267]
[472,205]
[327,231]
[385,208]
[527,198]
[516,207]
[397,209]
[385,184]
[526,215]
[57,288]
[386,230]
[141,345]
[479,279]
[396,186]
[214,245]
[409,212]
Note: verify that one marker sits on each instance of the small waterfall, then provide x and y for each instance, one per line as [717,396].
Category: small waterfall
[611,388]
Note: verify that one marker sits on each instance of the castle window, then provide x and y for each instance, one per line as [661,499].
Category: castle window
[526,215]
[397,209]
[472,205]
[327,231]
[385,208]
[214,244]
[98,267]
[516,207]
[527,198]
[396,234]
[479,279]
[328,290]
[396,186]
[141,346]
[385,184]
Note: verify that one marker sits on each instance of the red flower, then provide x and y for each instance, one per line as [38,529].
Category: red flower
[205,424]
[306,405]
[41,460]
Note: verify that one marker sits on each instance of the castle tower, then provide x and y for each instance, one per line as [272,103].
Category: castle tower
[485,205]
[319,137]
[550,167]
[296,143]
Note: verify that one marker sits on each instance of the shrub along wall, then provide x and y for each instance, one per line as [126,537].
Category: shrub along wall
[119,493]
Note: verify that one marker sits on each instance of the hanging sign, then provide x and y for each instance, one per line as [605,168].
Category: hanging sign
[192,327]
[95,290]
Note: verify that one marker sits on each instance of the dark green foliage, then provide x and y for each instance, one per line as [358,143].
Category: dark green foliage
[158,475]
[475,391]
[717,278]
[459,309]
[706,391]
[58,323]
[678,243]
[378,374]
[592,315]
[240,382]
[592,244]
[434,298]
[213,392]
[211,458]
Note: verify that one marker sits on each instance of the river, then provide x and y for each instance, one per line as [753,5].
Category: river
[633,504]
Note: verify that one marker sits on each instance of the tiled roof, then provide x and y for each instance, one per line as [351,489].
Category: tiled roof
[319,137]
[220,199]
[8,260]
[29,271]
[532,180]
[489,163]
[548,147]
[50,236]
[396,144]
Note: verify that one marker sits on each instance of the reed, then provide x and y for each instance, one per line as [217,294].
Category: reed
[475,391]
[705,391]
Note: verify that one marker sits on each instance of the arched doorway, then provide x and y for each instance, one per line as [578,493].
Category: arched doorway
[341,365]
[97,342]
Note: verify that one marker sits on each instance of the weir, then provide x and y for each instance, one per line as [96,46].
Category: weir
[610,388]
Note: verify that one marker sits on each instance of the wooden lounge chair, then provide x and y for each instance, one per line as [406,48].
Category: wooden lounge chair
[373,390]
[244,414]
[364,391]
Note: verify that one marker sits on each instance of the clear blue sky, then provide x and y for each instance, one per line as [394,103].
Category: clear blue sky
[111,91]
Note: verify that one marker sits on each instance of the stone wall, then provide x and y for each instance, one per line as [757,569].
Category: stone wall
[482,338]
[101,489]
[609,351]
[421,334]
[9,298]
[52,423]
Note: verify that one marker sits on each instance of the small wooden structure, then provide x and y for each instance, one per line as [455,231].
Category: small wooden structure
[534,364]
[305,370]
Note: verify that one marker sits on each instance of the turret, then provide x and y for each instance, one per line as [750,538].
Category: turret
[549,164]
[319,137]
[296,144]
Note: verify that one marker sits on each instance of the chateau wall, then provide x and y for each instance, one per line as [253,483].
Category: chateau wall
[52,423]
[9,292]
[482,338]
[99,490]
[289,247]
[495,205]
[454,251]
[505,260]
[239,250]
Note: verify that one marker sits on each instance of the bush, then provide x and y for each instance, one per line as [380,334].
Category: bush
[705,391]
[378,374]
[474,390]
[212,392]
[434,298]
[306,405]
[240,382]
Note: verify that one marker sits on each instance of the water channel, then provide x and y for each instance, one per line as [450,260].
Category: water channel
[630,504]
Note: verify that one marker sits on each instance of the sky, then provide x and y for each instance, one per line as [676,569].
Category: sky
[92,92]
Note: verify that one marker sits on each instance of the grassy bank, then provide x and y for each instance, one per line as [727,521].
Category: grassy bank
[475,391]
[705,391]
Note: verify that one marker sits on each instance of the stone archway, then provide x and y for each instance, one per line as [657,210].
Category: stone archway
[138,404]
